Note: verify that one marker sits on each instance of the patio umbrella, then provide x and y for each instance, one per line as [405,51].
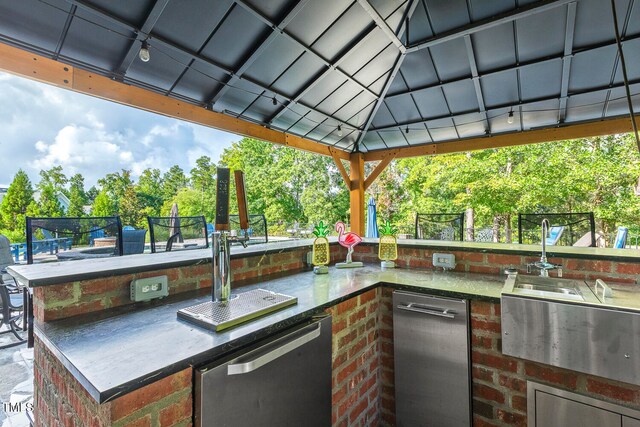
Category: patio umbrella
[174,223]
[372,219]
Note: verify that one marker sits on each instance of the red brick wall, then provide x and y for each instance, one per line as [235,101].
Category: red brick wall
[61,401]
[356,361]
[487,263]
[499,382]
[70,299]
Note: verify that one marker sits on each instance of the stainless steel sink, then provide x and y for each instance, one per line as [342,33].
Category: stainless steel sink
[549,287]
[561,322]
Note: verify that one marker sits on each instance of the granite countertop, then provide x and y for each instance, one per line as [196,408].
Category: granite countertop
[61,272]
[121,350]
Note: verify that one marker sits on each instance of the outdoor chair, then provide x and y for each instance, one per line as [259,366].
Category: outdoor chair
[257,230]
[621,238]
[6,259]
[133,241]
[566,229]
[79,233]
[11,315]
[484,235]
[554,235]
[170,233]
[439,226]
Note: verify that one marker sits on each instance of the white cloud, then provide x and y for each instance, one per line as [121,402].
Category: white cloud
[44,126]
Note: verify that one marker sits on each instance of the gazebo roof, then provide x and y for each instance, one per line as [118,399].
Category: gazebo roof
[356,75]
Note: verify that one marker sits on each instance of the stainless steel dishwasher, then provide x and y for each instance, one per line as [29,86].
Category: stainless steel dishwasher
[282,381]
[432,369]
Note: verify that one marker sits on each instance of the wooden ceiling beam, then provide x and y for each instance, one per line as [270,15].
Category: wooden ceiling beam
[25,64]
[573,131]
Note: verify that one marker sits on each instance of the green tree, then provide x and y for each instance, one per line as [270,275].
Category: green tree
[77,196]
[91,194]
[48,203]
[149,192]
[172,181]
[288,185]
[130,208]
[103,205]
[55,178]
[15,202]
[203,181]
[115,185]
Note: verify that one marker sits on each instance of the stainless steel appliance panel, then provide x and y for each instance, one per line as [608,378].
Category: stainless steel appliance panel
[554,411]
[432,370]
[553,407]
[283,382]
[579,337]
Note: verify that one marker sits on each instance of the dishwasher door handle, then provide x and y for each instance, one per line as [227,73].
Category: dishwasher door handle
[252,365]
[431,311]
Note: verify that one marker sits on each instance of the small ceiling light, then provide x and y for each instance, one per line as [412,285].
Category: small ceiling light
[339,130]
[510,118]
[144,54]
[274,101]
[406,130]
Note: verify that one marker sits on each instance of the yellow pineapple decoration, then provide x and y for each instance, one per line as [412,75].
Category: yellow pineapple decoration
[321,254]
[388,248]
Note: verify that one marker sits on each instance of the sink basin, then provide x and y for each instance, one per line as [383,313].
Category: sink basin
[549,287]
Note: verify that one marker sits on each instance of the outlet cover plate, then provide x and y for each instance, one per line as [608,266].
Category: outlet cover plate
[149,288]
[446,261]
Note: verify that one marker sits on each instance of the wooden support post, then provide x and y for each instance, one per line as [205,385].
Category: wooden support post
[379,168]
[357,193]
[341,169]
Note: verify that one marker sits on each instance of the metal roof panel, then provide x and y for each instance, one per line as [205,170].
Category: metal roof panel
[34,22]
[500,88]
[461,96]
[541,80]
[541,34]
[190,22]
[495,47]
[451,60]
[417,70]
[275,59]
[315,18]
[229,46]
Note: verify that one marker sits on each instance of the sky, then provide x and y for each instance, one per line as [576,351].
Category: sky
[42,126]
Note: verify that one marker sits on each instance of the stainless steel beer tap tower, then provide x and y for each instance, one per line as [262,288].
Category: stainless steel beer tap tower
[221,239]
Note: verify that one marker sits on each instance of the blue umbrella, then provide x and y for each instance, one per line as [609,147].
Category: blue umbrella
[372,219]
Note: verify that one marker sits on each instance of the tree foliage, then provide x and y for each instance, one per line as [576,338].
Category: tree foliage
[14,204]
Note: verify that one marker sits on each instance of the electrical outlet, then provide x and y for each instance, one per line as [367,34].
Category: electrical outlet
[446,261]
[149,288]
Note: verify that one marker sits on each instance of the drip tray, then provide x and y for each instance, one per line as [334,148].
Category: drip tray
[247,306]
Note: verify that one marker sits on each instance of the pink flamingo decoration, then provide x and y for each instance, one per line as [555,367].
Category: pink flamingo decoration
[348,240]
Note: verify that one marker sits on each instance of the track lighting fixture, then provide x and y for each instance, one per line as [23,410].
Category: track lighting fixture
[406,130]
[274,101]
[144,54]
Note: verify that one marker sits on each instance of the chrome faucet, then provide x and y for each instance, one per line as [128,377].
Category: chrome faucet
[544,265]
[221,259]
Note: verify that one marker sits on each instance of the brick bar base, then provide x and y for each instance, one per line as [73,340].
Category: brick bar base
[61,401]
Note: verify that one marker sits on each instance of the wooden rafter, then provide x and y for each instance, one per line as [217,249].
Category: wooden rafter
[580,130]
[379,168]
[25,64]
[341,169]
